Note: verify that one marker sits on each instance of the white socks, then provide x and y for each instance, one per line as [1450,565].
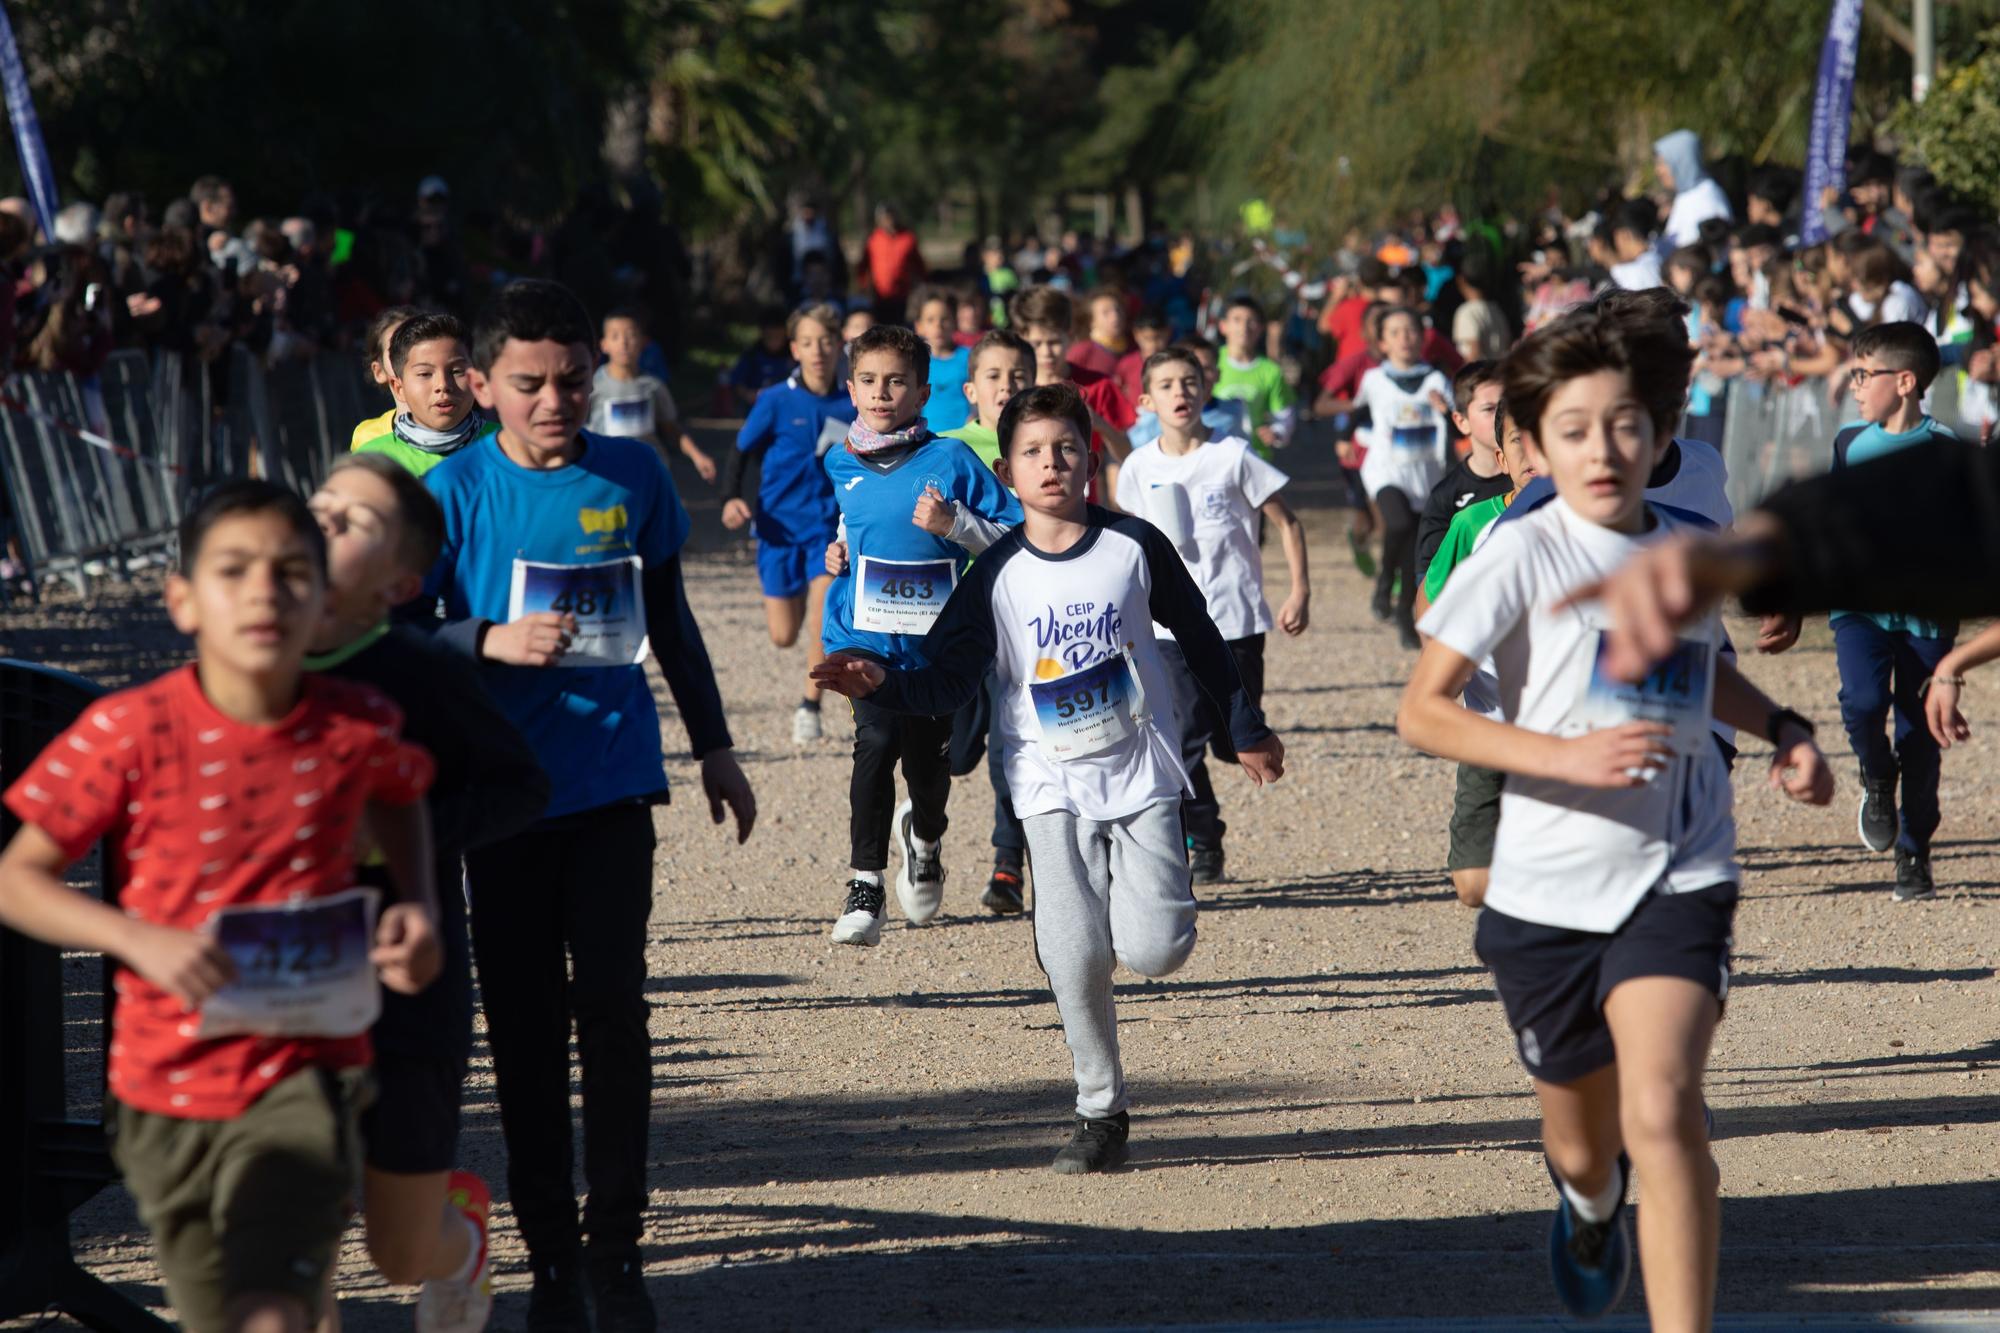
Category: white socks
[1600,1208]
[868,877]
[923,848]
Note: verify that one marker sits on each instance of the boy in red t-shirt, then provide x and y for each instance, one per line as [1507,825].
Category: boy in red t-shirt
[1045,317]
[1339,386]
[231,794]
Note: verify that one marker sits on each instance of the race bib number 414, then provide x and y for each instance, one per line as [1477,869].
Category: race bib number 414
[902,596]
[302,969]
[606,598]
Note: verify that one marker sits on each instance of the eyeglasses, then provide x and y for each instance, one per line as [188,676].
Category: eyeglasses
[1859,377]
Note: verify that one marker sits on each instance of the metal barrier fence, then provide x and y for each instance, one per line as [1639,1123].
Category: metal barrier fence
[51,1161]
[96,473]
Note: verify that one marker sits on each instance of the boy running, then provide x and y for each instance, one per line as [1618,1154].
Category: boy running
[1886,658]
[1226,418]
[1614,884]
[792,426]
[911,505]
[561,572]
[626,401]
[428,365]
[1407,447]
[425,1221]
[1206,495]
[934,315]
[1044,316]
[231,794]
[1475,395]
[1253,379]
[1062,609]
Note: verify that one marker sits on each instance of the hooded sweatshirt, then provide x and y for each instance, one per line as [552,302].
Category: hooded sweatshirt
[1697,197]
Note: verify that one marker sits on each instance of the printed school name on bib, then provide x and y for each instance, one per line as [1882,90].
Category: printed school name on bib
[302,969]
[1089,711]
[606,597]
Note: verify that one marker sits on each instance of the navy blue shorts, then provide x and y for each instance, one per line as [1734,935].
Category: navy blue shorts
[1553,981]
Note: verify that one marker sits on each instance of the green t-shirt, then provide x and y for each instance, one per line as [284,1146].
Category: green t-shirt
[982,440]
[418,461]
[1459,539]
[1259,386]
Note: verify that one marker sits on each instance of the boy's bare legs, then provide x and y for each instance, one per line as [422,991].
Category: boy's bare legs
[1662,1027]
[413,1234]
[783,616]
[1580,1128]
[273,1312]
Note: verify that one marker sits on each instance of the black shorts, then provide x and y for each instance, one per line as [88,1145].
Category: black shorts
[1553,981]
[1475,817]
[412,1129]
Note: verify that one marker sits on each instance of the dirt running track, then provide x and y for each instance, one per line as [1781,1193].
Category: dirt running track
[1327,1121]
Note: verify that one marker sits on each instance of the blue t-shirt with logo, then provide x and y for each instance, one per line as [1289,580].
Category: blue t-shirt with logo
[594,729]
[877,497]
[794,427]
[947,409]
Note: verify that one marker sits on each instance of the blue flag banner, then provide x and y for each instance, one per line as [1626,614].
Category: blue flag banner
[1833,107]
[36,173]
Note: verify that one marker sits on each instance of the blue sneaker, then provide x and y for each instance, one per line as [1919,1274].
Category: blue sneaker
[1590,1262]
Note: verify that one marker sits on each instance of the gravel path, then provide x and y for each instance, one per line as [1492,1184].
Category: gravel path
[1328,1123]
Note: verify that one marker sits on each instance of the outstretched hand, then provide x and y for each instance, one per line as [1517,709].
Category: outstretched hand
[1646,600]
[855,677]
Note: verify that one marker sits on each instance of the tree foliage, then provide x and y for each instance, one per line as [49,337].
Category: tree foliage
[1956,130]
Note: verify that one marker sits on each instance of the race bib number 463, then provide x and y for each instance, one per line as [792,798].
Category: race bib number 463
[606,598]
[302,969]
[902,596]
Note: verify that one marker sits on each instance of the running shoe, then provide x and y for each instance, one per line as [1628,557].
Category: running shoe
[618,1294]
[556,1304]
[1406,634]
[920,879]
[1913,877]
[1097,1145]
[805,725]
[1003,891]
[1205,865]
[1378,606]
[461,1305]
[1364,559]
[1590,1262]
[861,918]
[1877,820]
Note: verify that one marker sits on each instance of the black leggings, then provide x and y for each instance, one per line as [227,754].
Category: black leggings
[881,738]
[1399,549]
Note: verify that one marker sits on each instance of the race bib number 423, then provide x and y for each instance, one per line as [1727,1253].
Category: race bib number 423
[302,969]
[902,596]
[606,598]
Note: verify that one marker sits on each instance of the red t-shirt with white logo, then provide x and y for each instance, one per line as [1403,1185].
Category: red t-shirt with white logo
[201,812]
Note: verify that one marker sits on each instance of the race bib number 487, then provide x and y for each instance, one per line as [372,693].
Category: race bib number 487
[606,598]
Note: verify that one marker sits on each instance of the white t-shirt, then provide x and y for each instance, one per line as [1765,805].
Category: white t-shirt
[1575,857]
[631,408]
[1206,502]
[1638,275]
[1408,439]
[1693,207]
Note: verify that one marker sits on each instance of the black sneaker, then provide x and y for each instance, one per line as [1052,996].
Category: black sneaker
[556,1303]
[860,920]
[1913,877]
[1003,891]
[1406,634]
[618,1293]
[1205,865]
[1379,607]
[1878,813]
[1097,1145]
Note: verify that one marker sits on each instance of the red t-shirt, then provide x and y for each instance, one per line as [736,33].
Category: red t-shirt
[1343,377]
[1102,395]
[201,812]
[894,266]
[1438,351]
[1343,324]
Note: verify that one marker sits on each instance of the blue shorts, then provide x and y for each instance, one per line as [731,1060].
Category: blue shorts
[786,571]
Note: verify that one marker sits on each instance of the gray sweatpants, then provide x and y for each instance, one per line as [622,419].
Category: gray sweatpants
[1107,892]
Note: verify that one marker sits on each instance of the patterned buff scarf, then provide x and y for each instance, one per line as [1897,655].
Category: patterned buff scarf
[410,431]
[861,440]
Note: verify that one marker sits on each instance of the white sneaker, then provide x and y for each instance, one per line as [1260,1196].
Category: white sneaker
[920,879]
[861,919]
[462,1306]
[805,725]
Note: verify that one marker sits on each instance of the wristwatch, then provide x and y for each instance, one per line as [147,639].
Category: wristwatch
[1779,717]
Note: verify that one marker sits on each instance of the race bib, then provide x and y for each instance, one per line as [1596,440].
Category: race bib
[832,434]
[1414,428]
[628,417]
[1679,691]
[1088,711]
[302,969]
[606,599]
[902,596]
